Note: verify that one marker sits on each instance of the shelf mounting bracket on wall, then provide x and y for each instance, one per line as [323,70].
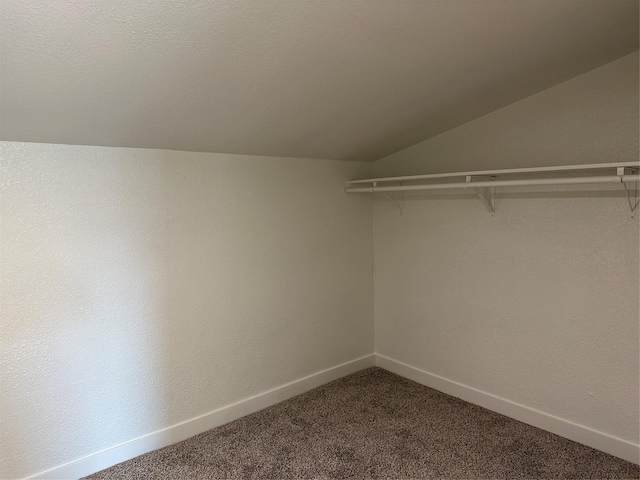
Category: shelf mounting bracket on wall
[632,193]
[486,194]
[400,206]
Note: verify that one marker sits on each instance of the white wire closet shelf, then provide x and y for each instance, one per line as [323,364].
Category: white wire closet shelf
[484,182]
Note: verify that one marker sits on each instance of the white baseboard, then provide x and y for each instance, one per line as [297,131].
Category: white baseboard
[181,431]
[578,433]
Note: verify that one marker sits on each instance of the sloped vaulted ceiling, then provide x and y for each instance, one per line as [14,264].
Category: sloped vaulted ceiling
[342,79]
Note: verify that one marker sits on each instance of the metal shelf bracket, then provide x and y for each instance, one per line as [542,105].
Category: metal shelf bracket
[399,206]
[632,193]
[486,194]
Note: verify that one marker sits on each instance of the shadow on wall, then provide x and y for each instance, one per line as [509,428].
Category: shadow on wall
[84,310]
[506,194]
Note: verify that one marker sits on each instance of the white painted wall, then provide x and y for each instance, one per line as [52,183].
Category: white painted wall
[539,305]
[141,288]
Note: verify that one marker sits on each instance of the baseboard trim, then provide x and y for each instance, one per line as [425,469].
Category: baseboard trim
[573,431]
[183,430]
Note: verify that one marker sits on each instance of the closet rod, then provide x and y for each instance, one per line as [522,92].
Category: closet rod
[509,171]
[500,183]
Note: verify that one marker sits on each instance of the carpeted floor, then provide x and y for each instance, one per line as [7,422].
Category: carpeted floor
[373,424]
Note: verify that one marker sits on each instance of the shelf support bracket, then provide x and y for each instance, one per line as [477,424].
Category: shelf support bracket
[633,196]
[486,194]
[399,206]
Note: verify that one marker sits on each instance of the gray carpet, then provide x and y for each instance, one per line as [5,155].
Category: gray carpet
[373,424]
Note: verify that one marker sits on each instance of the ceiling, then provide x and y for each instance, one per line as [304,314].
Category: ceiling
[339,79]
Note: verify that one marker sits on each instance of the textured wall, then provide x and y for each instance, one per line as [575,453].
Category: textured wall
[142,287]
[540,304]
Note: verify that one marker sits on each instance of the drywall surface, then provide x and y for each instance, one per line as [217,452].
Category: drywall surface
[141,288]
[539,304]
[592,118]
[350,80]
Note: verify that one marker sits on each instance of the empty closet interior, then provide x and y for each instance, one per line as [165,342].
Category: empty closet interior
[208,209]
